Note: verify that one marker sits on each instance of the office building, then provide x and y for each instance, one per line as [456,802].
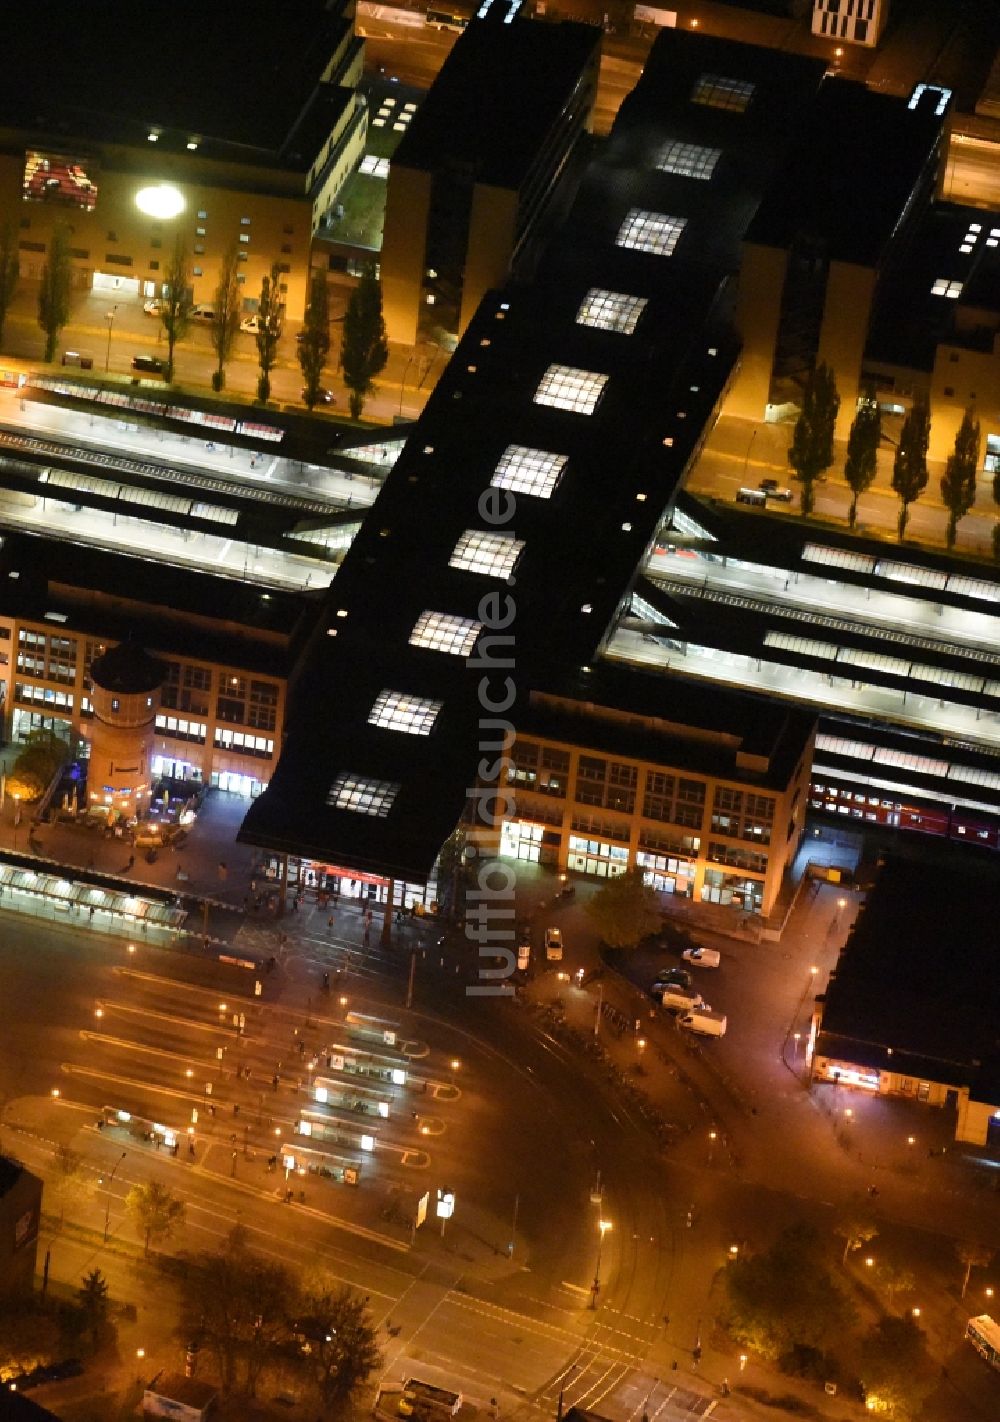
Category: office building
[236,129]
[20,1214]
[911,1007]
[482,168]
[850,21]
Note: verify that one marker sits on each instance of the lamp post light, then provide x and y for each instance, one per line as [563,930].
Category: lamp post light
[17,817]
[107,1211]
[595,1288]
[109,317]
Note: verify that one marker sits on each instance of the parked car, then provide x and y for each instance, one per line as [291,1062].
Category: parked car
[553,945]
[323,397]
[250,324]
[523,956]
[151,365]
[702,957]
[705,1022]
[773,490]
[202,313]
[153,306]
[674,975]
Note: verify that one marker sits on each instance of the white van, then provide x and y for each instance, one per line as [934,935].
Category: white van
[706,1022]
[553,945]
[676,998]
[202,313]
[523,955]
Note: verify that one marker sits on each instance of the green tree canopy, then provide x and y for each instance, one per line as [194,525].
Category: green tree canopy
[176,303]
[958,482]
[624,909]
[270,323]
[861,464]
[909,470]
[94,1303]
[54,289]
[785,1297]
[314,347]
[895,1369]
[365,346]
[226,319]
[343,1352]
[855,1231]
[811,450]
[155,1211]
[72,1182]
[973,1256]
[10,270]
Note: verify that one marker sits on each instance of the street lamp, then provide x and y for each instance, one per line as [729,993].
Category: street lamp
[109,316]
[17,817]
[107,1212]
[595,1288]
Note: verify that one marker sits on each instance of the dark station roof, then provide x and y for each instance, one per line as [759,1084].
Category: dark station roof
[226,73]
[615,471]
[858,159]
[127,669]
[496,98]
[916,988]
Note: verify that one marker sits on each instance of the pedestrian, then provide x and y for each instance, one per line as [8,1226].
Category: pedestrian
[236,1108]
[131,861]
[253,886]
[274,1081]
[302,1047]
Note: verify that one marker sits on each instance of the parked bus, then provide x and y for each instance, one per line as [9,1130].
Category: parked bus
[984,1335]
[446,19]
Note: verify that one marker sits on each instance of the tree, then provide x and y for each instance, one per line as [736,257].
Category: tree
[895,1368]
[94,1303]
[54,290]
[240,1308]
[315,343]
[226,319]
[861,464]
[176,303]
[72,1182]
[364,347]
[625,909]
[10,270]
[270,321]
[811,449]
[909,469]
[973,1256]
[155,1212]
[785,1297]
[338,1332]
[958,482]
[855,1231]
[895,1278]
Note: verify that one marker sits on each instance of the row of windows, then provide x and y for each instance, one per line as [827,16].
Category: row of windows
[42,695]
[737,858]
[239,741]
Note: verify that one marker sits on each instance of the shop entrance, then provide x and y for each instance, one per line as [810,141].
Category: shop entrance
[110,281]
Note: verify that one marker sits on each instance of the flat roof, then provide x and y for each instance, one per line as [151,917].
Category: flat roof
[917,979]
[497,97]
[224,72]
[859,158]
[580,399]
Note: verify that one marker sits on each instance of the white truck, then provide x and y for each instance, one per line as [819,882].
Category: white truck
[704,1021]
[676,998]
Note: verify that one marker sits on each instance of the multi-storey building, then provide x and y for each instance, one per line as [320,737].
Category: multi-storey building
[220,143]
[850,21]
[481,167]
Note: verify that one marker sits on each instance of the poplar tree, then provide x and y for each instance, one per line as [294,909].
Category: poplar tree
[861,464]
[176,303]
[314,347]
[10,270]
[54,290]
[226,314]
[811,450]
[365,346]
[270,323]
[958,482]
[909,470]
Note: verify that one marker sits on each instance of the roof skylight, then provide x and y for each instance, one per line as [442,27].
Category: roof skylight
[567,388]
[396,711]
[362,796]
[717,91]
[529,471]
[442,632]
[611,311]
[688,160]
[493,554]
[654,232]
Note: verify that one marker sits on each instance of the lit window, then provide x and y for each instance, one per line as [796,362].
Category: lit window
[202,214]
[491,553]
[610,311]
[244,222]
[650,232]
[529,471]
[374,167]
[153,137]
[718,92]
[441,632]
[364,797]
[568,388]
[688,160]
[943,287]
[395,711]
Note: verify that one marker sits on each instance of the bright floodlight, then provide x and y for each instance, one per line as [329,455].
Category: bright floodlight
[161,201]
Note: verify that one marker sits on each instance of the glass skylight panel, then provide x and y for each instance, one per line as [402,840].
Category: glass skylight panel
[717,91]
[529,471]
[688,160]
[396,711]
[493,554]
[838,558]
[362,796]
[806,646]
[611,311]
[912,573]
[442,632]
[944,287]
[565,387]
[654,232]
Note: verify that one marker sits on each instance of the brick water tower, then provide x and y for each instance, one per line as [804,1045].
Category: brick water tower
[125,691]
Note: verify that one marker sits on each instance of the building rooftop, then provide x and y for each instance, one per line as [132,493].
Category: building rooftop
[127,669]
[858,159]
[916,983]
[224,73]
[541,466]
[496,98]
